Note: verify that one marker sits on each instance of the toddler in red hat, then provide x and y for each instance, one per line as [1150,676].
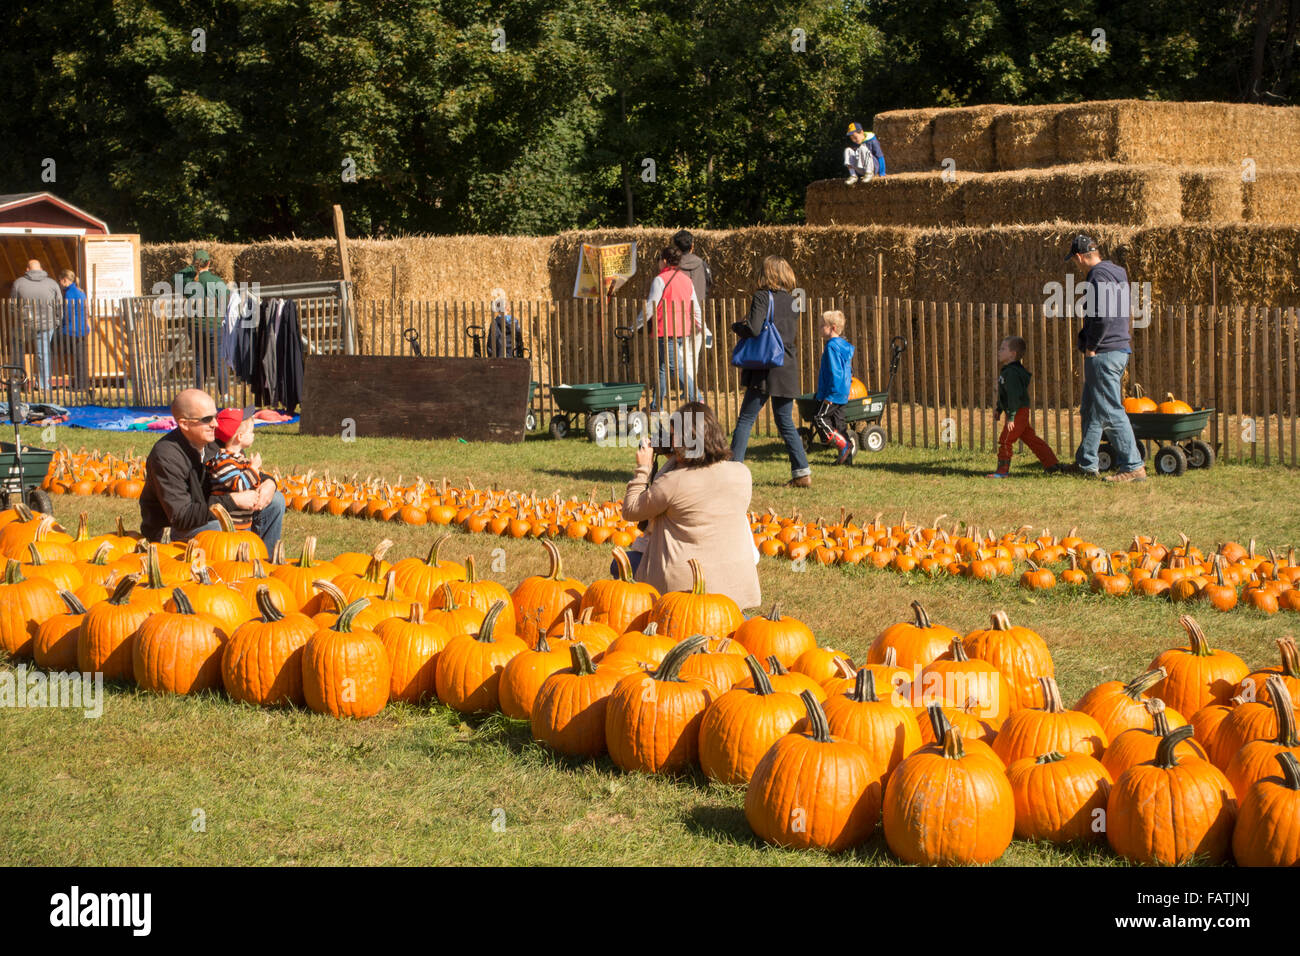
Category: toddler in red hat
[231,470]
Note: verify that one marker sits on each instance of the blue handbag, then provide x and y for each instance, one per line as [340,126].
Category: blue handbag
[763,351]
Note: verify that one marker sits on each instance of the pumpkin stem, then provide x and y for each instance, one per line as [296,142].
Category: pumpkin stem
[580,658]
[1052,757]
[1000,620]
[471,573]
[1290,769]
[35,552]
[83,527]
[122,592]
[1159,719]
[331,589]
[939,724]
[1165,750]
[954,748]
[432,559]
[542,646]
[842,666]
[1144,682]
[277,554]
[958,650]
[818,726]
[1281,700]
[891,657]
[223,518]
[864,689]
[490,622]
[417,613]
[346,616]
[1051,696]
[308,557]
[775,613]
[376,563]
[670,667]
[762,685]
[182,601]
[73,604]
[1290,656]
[919,617]
[623,565]
[778,669]
[555,574]
[448,599]
[1199,645]
[100,557]
[697,577]
[267,607]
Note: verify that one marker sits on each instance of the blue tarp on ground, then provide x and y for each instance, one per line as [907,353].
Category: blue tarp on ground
[104,418]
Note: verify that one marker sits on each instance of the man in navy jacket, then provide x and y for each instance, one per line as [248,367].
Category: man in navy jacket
[1106,343]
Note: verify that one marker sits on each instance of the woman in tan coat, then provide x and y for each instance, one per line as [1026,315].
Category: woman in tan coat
[697,506]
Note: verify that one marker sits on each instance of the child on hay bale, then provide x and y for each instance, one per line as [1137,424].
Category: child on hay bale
[834,377]
[863,157]
[230,470]
[1013,401]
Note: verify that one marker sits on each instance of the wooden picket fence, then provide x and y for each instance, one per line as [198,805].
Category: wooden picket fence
[1239,360]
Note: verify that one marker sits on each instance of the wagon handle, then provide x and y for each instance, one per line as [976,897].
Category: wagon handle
[476,334]
[897,346]
[412,337]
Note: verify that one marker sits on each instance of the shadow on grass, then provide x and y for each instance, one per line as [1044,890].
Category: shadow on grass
[721,825]
[609,476]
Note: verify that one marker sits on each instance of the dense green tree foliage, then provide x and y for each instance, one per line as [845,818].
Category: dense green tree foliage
[234,119]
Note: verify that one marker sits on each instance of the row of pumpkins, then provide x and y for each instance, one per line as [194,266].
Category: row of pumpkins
[1232,576]
[970,746]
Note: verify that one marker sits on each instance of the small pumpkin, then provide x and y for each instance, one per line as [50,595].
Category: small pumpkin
[25,603]
[1019,655]
[469,668]
[1266,834]
[1117,706]
[413,645]
[178,652]
[569,711]
[743,724]
[223,544]
[680,614]
[55,645]
[104,642]
[916,642]
[885,730]
[622,602]
[1139,744]
[1032,733]
[1059,797]
[345,670]
[775,635]
[524,674]
[1197,675]
[540,600]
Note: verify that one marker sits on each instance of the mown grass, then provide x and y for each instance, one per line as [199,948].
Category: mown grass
[420,785]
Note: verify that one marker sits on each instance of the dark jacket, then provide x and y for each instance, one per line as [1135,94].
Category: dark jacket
[177,488]
[780,382]
[1013,387]
[700,275]
[1106,316]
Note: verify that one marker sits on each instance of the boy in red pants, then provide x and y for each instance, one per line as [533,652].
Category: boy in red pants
[1013,399]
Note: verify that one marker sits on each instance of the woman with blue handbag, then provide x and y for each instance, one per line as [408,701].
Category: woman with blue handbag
[770,370]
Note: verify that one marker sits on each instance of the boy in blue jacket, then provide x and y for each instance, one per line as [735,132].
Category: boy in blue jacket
[834,375]
[862,157]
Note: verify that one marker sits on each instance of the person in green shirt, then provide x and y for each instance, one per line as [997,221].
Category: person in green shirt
[206,294]
[1013,401]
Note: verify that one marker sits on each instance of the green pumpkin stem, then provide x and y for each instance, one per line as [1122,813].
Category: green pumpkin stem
[919,617]
[669,668]
[864,687]
[348,614]
[1200,647]
[580,658]
[490,622]
[153,570]
[1290,656]
[954,748]
[1144,682]
[697,577]
[73,604]
[1052,757]
[762,685]
[818,726]
[939,724]
[13,572]
[122,592]
[448,599]
[1166,757]
[182,601]
[471,573]
[100,557]
[778,669]
[35,552]
[266,606]
[223,518]
[432,559]
[1280,698]
[1290,769]
[307,559]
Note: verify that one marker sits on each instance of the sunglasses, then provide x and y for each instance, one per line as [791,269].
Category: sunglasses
[205,420]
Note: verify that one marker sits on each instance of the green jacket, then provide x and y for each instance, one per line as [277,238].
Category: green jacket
[1013,387]
[211,305]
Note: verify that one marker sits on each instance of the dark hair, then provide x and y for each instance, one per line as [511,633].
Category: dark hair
[683,240]
[703,431]
[1016,344]
[672,255]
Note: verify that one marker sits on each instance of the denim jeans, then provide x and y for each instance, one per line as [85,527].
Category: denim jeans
[1102,410]
[677,355]
[43,340]
[783,412]
[207,358]
[266,524]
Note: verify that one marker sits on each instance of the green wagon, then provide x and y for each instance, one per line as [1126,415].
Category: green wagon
[1178,437]
[864,413]
[22,469]
[604,405]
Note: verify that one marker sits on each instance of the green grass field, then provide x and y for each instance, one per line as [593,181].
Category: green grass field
[160,781]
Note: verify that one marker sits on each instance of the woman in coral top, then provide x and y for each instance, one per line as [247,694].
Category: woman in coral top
[679,323]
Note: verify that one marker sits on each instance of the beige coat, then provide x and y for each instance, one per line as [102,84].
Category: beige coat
[696,513]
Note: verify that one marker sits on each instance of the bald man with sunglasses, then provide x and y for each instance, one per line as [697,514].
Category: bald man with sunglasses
[177,489]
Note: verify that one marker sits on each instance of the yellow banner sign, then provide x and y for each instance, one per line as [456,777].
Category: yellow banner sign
[603,266]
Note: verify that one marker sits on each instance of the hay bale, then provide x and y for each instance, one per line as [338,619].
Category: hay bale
[1210,195]
[1128,195]
[966,137]
[1008,264]
[1274,196]
[159,261]
[907,139]
[1086,132]
[906,199]
[1256,264]
[1024,137]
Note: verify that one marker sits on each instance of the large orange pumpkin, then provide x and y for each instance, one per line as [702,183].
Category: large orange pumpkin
[24,605]
[916,642]
[682,614]
[775,635]
[104,642]
[469,668]
[223,544]
[621,602]
[262,661]
[540,600]
[413,645]
[345,670]
[178,652]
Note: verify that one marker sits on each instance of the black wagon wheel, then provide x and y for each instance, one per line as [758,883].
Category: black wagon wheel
[872,438]
[1105,457]
[1200,454]
[602,426]
[638,425]
[1171,461]
[530,421]
[560,426]
[38,499]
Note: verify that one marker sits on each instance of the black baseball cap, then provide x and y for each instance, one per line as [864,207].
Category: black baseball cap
[1081,245]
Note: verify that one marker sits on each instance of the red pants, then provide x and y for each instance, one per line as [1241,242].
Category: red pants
[1019,429]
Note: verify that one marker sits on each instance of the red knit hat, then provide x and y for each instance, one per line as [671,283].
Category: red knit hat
[229,420]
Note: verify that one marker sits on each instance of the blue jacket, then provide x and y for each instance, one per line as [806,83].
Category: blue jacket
[1106,316]
[74,312]
[873,144]
[835,373]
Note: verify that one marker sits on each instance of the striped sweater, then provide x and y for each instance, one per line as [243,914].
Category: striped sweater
[230,472]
